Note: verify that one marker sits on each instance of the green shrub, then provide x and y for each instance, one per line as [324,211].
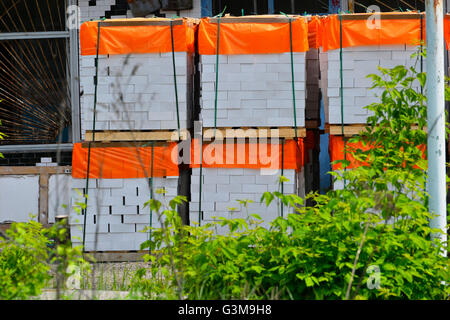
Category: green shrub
[27,254]
[370,240]
[24,270]
[306,256]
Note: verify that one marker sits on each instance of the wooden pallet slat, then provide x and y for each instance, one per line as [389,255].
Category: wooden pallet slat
[351,130]
[242,133]
[23,170]
[109,136]
[275,18]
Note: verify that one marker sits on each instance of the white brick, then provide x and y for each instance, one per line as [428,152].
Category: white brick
[122,228]
[242,179]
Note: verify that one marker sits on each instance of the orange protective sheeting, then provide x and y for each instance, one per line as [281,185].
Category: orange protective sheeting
[123,162]
[136,39]
[359,32]
[336,148]
[252,38]
[248,155]
[447,30]
[314,32]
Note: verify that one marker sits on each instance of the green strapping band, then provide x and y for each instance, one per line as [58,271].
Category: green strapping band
[293,79]
[151,198]
[200,183]
[175,79]
[93,138]
[292,74]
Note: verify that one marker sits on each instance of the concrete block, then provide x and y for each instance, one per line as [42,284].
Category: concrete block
[119,228]
[211,196]
[124,209]
[206,206]
[242,179]
[109,183]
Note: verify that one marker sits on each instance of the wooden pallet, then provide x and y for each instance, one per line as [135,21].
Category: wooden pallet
[249,132]
[123,144]
[350,129]
[156,135]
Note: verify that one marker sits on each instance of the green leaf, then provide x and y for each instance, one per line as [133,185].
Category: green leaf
[309,282]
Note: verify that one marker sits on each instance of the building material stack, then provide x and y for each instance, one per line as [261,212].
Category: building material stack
[119,191]
[143,102]
[385,40]
[248,96]
[239,171]
[136,84]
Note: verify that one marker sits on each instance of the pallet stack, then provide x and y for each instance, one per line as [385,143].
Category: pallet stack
[357,63]
[136,92]
[253,89]
[345,64]
[364,48]
[119,186]
[136,83]
[223,185]
[137,123]
[248,93]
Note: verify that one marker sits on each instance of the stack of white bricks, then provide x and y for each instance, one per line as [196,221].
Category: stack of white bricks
[254,90]
[116,212]
[136,91]
[357,63]
[222,187]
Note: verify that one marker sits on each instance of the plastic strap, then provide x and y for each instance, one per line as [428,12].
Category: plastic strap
[93,138]
[175,79]
[200,182]
[292,73]
[293,79]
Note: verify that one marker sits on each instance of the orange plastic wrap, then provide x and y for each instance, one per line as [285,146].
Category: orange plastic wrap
[136,39]
[123,162]
[336,148]
[447,30]
[252,38]
[315,32]
[358,33]
[248,155]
